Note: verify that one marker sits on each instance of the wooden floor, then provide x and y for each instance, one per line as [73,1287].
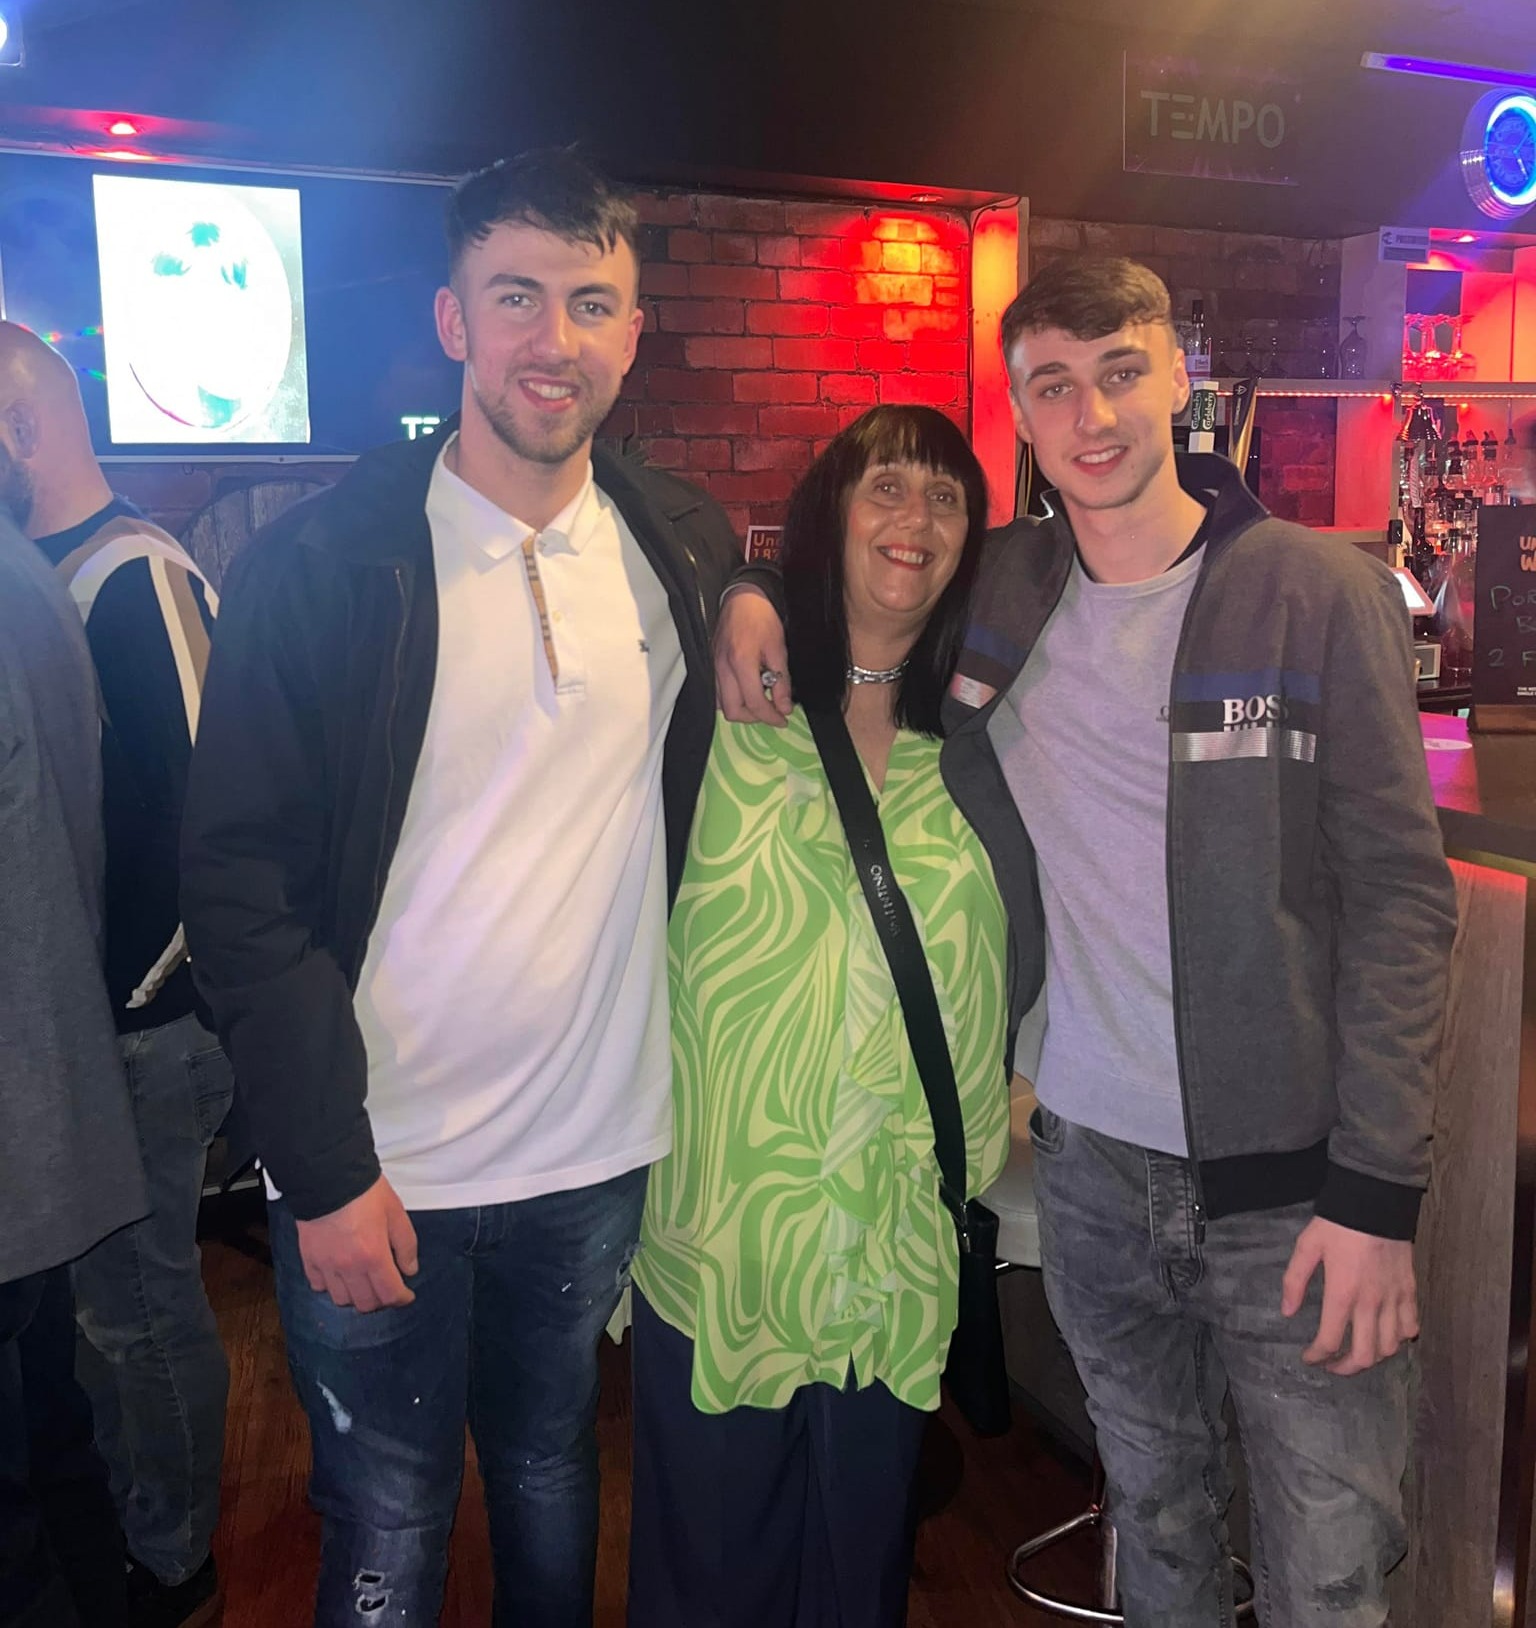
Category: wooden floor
[268,1540]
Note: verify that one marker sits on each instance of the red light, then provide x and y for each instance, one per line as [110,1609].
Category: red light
[124,155]
[1467,237]
[122,127]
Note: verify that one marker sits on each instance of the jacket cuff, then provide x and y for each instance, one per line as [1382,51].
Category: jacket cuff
[767,579]
[1385,1209]
[312,1191]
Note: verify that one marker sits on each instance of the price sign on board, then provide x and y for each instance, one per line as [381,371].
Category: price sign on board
[1504,630]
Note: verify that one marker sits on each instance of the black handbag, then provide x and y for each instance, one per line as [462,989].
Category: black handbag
[976,1372]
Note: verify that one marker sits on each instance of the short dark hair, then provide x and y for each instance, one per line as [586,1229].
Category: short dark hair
[816,619]
[1087,296]
[555,189]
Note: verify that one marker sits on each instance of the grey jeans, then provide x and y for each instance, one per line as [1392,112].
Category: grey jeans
[1161,1324]
[150,1357]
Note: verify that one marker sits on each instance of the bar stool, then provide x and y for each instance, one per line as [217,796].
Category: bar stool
[1012,1199]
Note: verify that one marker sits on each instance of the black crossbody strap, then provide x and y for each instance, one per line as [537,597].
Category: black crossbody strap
[903,950]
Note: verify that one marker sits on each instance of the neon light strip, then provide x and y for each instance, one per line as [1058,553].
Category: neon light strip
[1430,68]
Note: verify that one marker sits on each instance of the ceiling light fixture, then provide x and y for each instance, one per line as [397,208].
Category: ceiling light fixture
[925,197]
[122,127]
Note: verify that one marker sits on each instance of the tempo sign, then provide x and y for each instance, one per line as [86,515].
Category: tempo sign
[1221,124]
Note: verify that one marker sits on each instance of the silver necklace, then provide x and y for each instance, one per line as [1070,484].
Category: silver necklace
[871,675]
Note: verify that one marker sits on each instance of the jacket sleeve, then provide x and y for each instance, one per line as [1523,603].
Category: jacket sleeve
[1382,850]
[764,575]
[254,855]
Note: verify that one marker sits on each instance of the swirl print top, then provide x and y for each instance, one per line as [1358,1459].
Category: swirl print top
[796,1227]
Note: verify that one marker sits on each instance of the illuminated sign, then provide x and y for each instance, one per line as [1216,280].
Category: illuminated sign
[1211,124]
[419,424]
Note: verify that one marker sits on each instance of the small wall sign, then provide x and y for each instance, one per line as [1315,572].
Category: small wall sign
[1504,628]
[1212,123]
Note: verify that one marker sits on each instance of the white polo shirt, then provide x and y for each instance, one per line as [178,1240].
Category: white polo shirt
[514,996]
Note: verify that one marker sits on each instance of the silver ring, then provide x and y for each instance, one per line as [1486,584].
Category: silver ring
[770,678]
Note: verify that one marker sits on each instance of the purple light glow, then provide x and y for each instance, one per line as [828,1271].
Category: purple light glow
[1430,68]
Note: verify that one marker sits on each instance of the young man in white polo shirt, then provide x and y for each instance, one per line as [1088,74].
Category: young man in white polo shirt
[454,728]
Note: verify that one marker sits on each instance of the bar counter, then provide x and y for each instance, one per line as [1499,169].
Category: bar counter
[1475,1454]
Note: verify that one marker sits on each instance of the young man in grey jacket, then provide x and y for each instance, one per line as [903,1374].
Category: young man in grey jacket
[1201,722]
[69,1163]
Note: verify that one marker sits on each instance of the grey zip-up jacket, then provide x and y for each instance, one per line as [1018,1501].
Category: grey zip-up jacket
[1311,908]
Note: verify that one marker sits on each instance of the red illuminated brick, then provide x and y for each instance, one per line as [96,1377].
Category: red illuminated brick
[715,420]
[735,248]
[940,262]
[667,452]
[900,256]
[825,220]
[657,277]
[688,246]
[931,324]
[778,251]
[845,389]
[887,288]
[734,282]
[828,287]
[819,355]
[858,321]
[799,420]
[652,420]
[937,356]
[740,214]
[701,316]
[705,453]
[687,384]
[841,253]
[729,353]
[780,452]
[766,486]
[659,209]
[904,229]
[776,387]
[788,319]
[660,350]
[881,356]
[926,389]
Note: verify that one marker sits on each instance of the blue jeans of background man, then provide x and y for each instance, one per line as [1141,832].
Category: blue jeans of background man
[1161,1323]
[150,1357]
[511,1300]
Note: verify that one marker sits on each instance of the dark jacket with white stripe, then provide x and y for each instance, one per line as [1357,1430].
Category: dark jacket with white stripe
[1311,909]
[316,707]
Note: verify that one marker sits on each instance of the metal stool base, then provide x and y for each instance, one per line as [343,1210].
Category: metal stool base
[1054,1606]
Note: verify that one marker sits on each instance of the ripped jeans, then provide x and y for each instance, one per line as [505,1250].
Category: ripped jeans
[1162,1324]
[511,1300]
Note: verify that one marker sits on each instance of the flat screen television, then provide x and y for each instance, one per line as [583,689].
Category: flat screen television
[212,314]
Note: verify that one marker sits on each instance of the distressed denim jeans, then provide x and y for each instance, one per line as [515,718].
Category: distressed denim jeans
[511,1300]
[1162,1324]
[150,1356]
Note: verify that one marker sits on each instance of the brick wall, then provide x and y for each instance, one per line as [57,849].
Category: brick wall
[1272,305]
[770,325]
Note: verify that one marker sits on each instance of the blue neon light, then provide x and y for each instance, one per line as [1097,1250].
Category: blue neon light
[1510,150]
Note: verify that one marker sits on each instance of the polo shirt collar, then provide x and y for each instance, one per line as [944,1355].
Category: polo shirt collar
[499,534]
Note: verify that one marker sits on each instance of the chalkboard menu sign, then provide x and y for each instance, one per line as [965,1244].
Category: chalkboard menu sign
[1504,644]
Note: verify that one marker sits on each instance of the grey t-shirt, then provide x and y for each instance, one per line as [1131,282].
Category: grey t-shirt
[1083,741]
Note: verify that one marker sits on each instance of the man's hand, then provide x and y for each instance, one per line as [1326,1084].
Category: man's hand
[749,642]
[357,1254]
[1368,1288]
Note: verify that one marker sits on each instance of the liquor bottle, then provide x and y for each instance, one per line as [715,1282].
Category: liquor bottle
[1197,348]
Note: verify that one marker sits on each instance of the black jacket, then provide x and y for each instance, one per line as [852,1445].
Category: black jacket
[312,724]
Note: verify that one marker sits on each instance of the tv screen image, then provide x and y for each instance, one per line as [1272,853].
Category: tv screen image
[202,305]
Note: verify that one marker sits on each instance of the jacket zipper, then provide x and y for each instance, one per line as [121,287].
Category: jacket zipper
[396,663]
[1197,1185]
[698,593]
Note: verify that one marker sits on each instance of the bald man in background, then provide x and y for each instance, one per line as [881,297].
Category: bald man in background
[151,1359]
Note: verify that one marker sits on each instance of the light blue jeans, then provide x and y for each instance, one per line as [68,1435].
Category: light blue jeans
[1162,1324]
[150,1357]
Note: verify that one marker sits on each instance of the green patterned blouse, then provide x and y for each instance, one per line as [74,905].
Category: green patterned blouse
[796,1226]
